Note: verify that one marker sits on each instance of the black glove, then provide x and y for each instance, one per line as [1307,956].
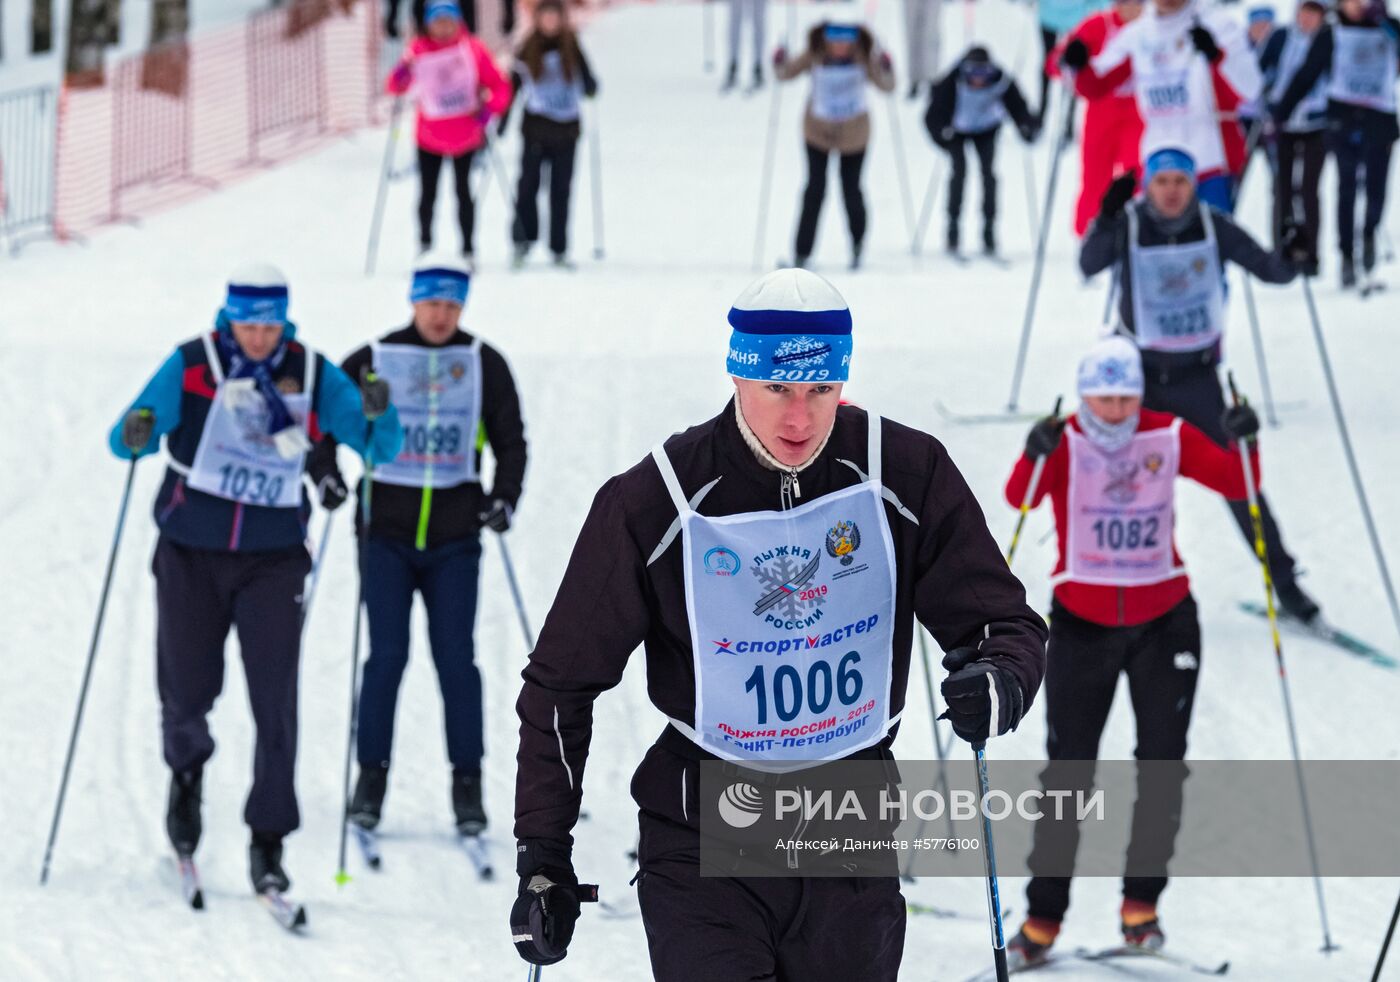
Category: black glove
[331,487]
[1075,55]
[1205,43]
[547,907]
[374,394]
[497,515]
[1044,437]
[1116,198]
[968,692]
[1293,243]
[1240,422]
[137,427]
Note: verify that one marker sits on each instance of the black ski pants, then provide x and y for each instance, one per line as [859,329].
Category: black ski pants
[560,159]
[1300,160]
[429,170]
[985,143]
[1360,154]
[1194,394]
[1083,660]
[812,197]
[200,595]
[761,929]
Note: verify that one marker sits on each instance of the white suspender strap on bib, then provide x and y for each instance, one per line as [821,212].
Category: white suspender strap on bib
[683,507]
[872,436]
[308,381]
[215,367]
[1208,223]
[873,441]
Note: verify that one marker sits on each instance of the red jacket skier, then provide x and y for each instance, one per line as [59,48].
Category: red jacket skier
[1112,126]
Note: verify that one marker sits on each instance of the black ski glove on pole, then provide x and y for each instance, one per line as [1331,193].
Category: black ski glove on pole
[1116,198]
[1075,55]
[983,700]
[547,907]
[137,427]
[1044,437]
[374,394]
[1240,422]
[497,515]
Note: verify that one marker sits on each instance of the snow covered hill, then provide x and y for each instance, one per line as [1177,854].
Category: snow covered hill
[608,360]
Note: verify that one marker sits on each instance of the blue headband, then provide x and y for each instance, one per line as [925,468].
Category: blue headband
[841,32]
[790,345]
[442,8]
[1257,14]
[436,283]
[1168,158]
[256,304]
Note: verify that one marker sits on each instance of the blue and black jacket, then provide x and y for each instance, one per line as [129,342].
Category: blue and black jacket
[180,394]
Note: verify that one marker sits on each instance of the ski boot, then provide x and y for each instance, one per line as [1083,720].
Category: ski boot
[989,242]
[757,76]
[561,261]
[952,241]
[731,77]
[517,257]
[367,804]
[1141,928]
[1368,253]
[265,863]
[1294,602]
[466,802]
[182,819]
[856,248]
[1348,272]
[1031,945]
[799,262]
[469,260]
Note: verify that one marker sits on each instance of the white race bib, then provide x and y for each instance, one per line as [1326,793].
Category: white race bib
[552,95]
[838,92]
[447,82]
[1363,68]
[236,458]
[1162,73]
[1120,510]
[979,109]
[792,624]
[438,395]
[1178,302]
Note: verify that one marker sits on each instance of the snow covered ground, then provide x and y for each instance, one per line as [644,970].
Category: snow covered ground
[609,359]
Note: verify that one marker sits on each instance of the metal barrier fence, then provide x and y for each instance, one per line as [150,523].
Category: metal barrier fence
[185,116]
[28,130]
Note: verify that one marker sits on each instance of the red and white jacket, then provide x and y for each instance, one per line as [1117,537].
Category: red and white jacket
[1125,604]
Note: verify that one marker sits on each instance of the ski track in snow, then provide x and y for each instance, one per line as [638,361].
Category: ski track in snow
[609,359]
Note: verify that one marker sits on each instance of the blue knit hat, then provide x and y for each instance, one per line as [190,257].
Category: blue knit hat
[257,294]
[441,8]
[1168,158]
[1260,13]
[790,326]
[841,32]
[440,278]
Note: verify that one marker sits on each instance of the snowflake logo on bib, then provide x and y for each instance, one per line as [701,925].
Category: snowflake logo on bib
[842,540]
[788,600]
[1173,280]
[1122,482]
[252,417]
[803,352]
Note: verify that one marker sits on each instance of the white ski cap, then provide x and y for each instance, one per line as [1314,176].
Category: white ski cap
[442,260]
[790,325]
[1112,367]
[258,275]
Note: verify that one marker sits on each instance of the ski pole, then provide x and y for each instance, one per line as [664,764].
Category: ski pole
[916,247]
[1351,456]
[901,163]
[1385,945]
[87,673]
[1031,489]
[515,594]
[708,33]
[500,171]
[1066,106]
[366,491]
[1109,300]
[536,971]
[1032,206]
[372,251]
[595,167]
[766,175]
[1261,550]
[316,568]
[989,864]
